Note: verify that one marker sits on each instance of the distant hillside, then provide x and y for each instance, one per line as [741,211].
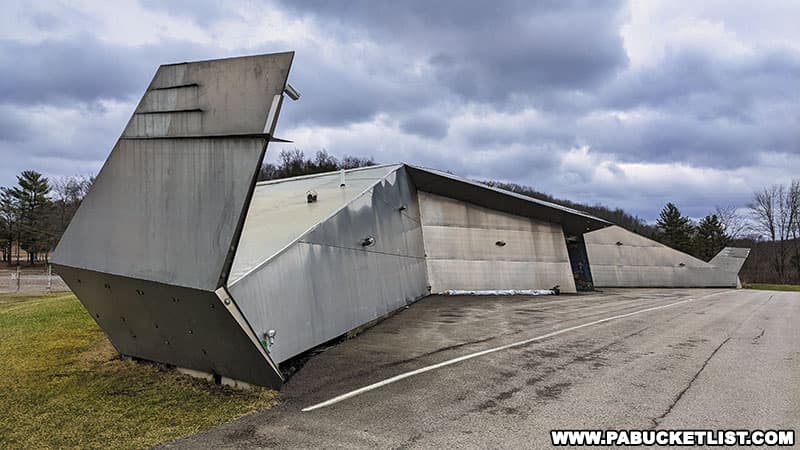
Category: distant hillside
[616,216]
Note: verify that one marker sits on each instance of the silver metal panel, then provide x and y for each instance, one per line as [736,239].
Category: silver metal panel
[620,258]
[660,276]
[378,214]
[279,212]
[173,325]
[327,283]
[233,96]
[730,259]
[460,243]
[170,99]
[451,186]
[457,243]
[164,210]
[444,275]
[165,213]
[189,123]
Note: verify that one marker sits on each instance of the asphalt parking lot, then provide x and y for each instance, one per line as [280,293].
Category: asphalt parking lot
[643,358]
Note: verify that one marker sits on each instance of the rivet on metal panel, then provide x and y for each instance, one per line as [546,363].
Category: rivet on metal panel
[191,332]
[227,301]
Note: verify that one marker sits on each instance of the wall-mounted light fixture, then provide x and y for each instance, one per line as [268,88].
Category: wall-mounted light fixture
[402,208]
[291,92]
[269,339]
[500,243]
[681,265]
[368,241]
[311,196]
[619,242]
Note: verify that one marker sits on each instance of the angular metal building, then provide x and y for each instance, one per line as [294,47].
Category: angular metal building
[183,258]
[620,258]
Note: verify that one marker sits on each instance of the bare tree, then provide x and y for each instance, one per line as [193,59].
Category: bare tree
[794,202]
[775,212]
[734,223]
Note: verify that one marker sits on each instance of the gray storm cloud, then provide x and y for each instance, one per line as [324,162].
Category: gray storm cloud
[558,95]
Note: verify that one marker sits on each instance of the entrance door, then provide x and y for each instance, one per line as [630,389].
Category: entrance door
[580,263]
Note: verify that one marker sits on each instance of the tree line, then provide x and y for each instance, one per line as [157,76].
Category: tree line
[294,163]
[775,214]
[35,212]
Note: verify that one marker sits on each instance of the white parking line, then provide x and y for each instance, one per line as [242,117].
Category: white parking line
[405,375]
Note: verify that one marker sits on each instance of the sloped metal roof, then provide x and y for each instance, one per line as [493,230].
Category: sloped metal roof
[279,212]
[448,185]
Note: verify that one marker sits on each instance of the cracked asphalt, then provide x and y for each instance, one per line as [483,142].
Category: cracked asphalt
[726,359]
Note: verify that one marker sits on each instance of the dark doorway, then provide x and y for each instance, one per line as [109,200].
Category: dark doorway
[580,263]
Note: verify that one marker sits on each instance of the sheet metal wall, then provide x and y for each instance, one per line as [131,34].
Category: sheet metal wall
[184,327]
[730,259]
[279,212]
[461,251]
[327,283]
[641,262]
[164,210]
[151,243]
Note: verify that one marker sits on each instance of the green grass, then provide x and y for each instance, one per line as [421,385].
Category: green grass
[774,287]
[63,385]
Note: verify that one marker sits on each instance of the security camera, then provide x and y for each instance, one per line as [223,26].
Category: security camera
[291,92]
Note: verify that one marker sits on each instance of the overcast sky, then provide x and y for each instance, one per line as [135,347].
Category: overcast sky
[626,104]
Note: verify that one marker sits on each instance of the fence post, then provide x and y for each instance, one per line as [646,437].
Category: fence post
[49,278]
[18,278]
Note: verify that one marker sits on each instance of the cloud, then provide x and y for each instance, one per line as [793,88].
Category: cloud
[83,69]
[629,104]
[425,125]
[487,54]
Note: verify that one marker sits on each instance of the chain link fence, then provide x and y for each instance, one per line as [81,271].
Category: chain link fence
[30,280]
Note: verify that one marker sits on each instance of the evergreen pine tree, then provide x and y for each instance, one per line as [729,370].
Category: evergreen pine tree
[674,229]
[33,210]
[710,238]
